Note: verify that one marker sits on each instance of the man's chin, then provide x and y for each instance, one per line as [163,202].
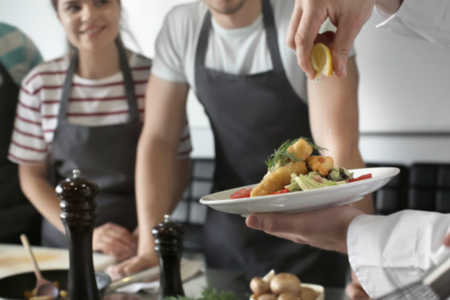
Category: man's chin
[226,8]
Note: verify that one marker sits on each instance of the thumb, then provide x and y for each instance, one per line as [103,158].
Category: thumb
[342,45]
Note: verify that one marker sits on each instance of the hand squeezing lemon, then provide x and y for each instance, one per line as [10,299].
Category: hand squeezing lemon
[321,60]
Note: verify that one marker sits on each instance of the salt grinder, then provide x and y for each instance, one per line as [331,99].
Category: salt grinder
[169,246]
[79,212]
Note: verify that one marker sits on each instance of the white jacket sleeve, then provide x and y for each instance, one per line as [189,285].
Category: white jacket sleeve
[424,19]
[389,252]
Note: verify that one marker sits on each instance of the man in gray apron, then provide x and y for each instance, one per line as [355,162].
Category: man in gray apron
[105,155]
[251,114]
[229,103]
[17,215]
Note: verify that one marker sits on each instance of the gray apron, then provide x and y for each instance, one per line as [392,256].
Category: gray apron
[104,154]
[17,215]
[251,115]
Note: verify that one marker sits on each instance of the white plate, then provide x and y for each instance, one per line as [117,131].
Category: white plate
[305,200]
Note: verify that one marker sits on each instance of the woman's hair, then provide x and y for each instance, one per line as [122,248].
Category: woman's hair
[55,4]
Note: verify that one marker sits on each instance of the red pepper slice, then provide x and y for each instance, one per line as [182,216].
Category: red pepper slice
[244,193]
[283,191]
[362,177]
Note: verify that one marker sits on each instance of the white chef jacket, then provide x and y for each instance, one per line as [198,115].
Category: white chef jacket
[429,20]
[389,252]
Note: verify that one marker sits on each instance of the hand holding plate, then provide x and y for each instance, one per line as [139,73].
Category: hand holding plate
[326,228]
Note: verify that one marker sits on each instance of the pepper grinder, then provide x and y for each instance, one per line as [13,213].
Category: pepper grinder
[79,212]
[169,246]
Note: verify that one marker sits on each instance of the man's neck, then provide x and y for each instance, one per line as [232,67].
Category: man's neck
[248,13]
[98,64]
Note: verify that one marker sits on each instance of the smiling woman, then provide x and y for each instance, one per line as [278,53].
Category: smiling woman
[84,111]
[87,36]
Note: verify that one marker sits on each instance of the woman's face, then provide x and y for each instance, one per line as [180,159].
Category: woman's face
[90,24]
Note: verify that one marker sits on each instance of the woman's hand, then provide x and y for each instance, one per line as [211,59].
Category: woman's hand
[115,240]
[133,265]
[325,228]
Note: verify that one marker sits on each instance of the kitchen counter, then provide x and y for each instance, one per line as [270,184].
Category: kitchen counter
[14,259]
[221,280]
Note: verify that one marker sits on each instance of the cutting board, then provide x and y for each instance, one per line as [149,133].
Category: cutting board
[14,259]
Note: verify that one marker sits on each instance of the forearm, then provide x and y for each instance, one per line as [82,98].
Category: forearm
[156,171]
[41,194]
[333,107]
[390,7]
[353,160]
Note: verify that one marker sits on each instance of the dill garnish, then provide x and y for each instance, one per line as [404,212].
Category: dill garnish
[314,146]
[281,157]
[208,293]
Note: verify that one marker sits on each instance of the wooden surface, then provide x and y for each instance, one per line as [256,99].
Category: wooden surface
[14,260]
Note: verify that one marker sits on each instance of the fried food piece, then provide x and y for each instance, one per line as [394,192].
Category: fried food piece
[279,178]
[321,164]
[301,149]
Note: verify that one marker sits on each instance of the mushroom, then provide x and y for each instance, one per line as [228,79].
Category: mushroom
[267,297]
[259,286]
[289,296]
[285,282]
[269,276]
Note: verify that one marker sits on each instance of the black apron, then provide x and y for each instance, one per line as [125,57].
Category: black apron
[17,215]
[251,115]
[104,154]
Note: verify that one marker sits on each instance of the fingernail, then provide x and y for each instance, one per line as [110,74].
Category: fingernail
[343,69]
[253,222]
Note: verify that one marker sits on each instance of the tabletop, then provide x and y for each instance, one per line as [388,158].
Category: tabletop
[221,280]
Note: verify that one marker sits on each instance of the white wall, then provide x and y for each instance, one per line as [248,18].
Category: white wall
[404,83]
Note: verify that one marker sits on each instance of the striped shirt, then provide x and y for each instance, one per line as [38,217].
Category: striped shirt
[18,54]
[92,103]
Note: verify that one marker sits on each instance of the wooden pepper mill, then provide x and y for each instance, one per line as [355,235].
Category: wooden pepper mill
[169,246]
[79,212]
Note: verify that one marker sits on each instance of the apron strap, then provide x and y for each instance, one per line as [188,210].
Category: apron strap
[67,87]
[128,83]
[202,45]
[271,37]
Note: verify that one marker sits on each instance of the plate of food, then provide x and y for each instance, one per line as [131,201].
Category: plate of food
[298,181]
[284,286]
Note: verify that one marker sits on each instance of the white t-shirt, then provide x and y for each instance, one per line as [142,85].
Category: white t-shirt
[240,51]
[92,103]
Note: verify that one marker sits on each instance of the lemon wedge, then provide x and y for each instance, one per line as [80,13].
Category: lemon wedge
[321,60]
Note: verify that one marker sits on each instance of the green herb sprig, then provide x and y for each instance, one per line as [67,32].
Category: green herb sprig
[281,157]
[208,293]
